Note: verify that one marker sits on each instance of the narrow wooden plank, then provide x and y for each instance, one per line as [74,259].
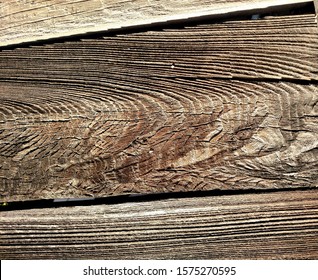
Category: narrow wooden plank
[105,117]
[25,21]
[281,225]
[282,47]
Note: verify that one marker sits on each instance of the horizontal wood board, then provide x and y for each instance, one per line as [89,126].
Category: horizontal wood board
[280,47]
[27,21]
[280,225]
[216,106]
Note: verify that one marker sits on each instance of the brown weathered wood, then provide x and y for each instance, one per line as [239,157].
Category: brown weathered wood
[282,225]
[284,47]
[237,135]
[157,111]
[25,21]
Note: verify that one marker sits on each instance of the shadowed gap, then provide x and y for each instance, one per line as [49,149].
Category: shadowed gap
[132,198]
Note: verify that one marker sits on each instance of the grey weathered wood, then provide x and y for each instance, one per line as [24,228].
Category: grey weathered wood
[225,106]
[316,6]
[25,21]
[282,225]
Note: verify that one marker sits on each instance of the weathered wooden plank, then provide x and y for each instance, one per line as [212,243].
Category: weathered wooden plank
[282,47]
[118,115]
[25,21]
[281,225]
[161,135]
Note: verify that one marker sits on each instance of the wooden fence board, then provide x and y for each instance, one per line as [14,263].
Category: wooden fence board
[280,225]
[25,21]
[231,105]
[282,47]
[155,112]
[207,135]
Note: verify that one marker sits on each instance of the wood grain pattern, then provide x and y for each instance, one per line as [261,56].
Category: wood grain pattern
[157,112]
[237,135]
[284,47]
[281,225]
[25,21]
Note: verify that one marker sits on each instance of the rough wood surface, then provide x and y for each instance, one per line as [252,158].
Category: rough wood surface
[316,6]
[282,47]
[158,112]
[25,21]
[282,225]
